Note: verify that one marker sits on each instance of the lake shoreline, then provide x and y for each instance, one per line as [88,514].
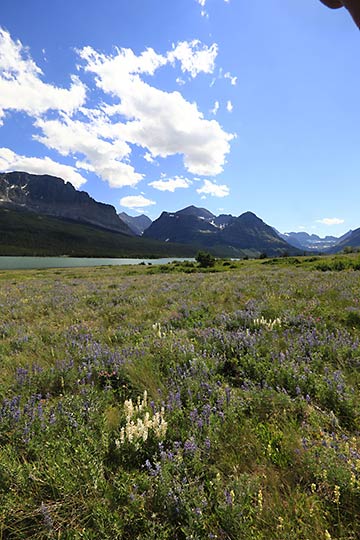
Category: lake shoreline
[33,263]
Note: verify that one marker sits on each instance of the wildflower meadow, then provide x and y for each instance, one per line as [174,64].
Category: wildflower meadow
[179,402]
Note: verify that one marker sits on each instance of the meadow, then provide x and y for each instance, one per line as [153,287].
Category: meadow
[178,403]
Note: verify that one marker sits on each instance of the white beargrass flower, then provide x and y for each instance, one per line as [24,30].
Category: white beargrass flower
[122,435]
[139,425]
[267,323]
[157,329]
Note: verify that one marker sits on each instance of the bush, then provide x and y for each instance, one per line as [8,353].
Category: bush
[205,260]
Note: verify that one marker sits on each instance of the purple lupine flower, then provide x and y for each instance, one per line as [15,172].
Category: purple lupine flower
[52,417]
[48,522]
[21,375]
[190,446]
[200,423]
[153,470]
[26,434]
[194,415]
[207,412]
[228,498]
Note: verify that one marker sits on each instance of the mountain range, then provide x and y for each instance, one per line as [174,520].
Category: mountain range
[43,215]
[313,242]
[245,235]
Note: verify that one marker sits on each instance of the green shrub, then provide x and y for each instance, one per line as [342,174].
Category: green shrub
[205,259]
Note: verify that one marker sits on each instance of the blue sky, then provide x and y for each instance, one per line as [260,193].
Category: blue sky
[151,105]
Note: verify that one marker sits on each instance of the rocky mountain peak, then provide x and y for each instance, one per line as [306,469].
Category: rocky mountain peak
[52,196]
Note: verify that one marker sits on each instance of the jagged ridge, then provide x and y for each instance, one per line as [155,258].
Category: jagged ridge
[52,196]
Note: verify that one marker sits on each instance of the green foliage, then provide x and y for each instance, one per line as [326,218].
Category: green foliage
[205,259]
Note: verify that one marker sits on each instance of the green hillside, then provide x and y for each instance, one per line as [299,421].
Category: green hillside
[28,233]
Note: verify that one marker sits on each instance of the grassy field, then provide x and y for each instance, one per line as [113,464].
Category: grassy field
[176,403]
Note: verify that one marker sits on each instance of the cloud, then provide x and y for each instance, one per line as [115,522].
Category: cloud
[9,161]
[162,122]
[128,112]
[215,190]
[215,109]
[203,3]
[21,87]
[232,79]
[124,62]
[194,57]
[136,201]
[330,221]
[104,157]
[170,184]
[229,106]
[148,157]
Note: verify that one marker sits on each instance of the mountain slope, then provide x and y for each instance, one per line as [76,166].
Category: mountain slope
[351,240]
[194,211]
[138,224]
[52,196]
[250,232]
[28,233]
[223,235]
[182,227]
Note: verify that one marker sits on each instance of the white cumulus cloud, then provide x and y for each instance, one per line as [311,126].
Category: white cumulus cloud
[10,161]
[104,157]
[163,123]
[194,57]
[128,112]
[170,184]
[21,87]
[136,201]
[215,190]
[330,221]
